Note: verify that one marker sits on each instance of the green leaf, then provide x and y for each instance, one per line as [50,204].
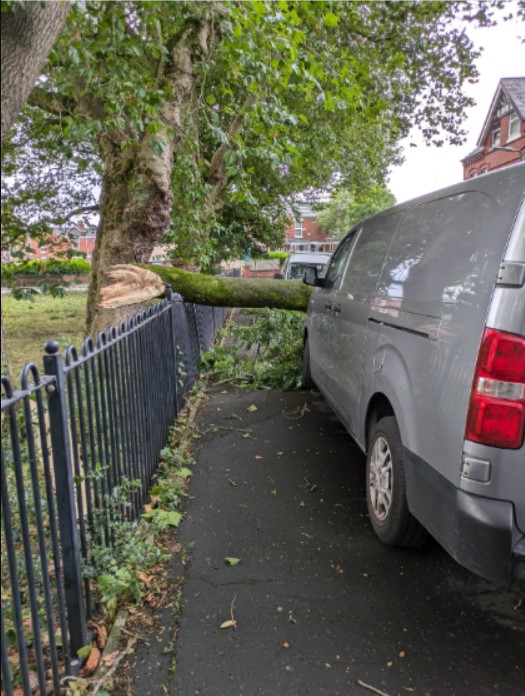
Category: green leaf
[232,561]
[185,472]
[84,652]
[163,518]
[331,19]
[252,408]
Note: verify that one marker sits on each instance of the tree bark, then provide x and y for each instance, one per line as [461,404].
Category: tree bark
[135,206]
[139,283]
[136,200]
[28,32]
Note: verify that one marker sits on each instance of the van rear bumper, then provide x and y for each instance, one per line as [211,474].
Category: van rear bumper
[479,533]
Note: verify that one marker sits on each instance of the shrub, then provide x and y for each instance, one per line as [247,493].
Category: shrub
[36,267]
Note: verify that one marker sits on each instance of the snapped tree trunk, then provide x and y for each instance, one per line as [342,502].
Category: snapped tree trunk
[139,283]
[135,207]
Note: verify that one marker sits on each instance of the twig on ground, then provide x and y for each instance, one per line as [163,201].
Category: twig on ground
[113,667]
[371,688]
[301,415]
[231,623]
[238,430]
[231,611]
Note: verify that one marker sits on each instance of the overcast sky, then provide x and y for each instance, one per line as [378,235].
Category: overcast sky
[428,168]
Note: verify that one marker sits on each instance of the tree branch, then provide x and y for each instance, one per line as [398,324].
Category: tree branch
[217,175]
[51,102]
[137,283]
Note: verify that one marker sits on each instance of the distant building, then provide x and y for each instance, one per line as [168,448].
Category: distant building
[82,239]
[502,140]
[303,234]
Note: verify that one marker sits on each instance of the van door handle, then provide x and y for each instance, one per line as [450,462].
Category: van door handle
[337,309]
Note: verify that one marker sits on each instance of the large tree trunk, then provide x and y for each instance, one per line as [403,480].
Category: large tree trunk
[28,31]
[134,284]
[135,207]
[137,197]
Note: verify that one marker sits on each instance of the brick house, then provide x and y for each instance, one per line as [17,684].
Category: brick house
[81,240]
[502,140]
[303,234]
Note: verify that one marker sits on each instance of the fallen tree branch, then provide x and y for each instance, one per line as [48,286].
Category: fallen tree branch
[134,284]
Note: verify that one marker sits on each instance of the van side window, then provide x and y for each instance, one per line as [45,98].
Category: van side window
[339,259]
[368,256]
[440,251]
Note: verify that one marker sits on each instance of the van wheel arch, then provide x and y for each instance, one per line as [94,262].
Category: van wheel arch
[378,408]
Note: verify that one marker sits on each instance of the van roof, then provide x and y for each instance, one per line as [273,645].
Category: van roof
[487,183]
[309,257]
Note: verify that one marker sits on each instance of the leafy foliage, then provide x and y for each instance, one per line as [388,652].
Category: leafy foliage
[349,207]
[119,547]
[37,267]
[265,354]
[283,95]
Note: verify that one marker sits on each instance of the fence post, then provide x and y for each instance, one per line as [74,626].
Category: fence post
[65,496]
[182,343]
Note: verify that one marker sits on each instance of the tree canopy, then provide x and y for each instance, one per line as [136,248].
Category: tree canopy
[198,120]
[346,208]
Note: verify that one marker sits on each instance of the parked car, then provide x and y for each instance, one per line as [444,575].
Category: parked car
[416,338]
[297,263]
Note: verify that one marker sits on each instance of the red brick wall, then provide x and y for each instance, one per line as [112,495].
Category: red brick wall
[51,249]
[496,159]
[311,231]
[56,245]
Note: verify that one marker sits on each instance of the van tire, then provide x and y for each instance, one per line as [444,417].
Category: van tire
[391,519]
[306,375]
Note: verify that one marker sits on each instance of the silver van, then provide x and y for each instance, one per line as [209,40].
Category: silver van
[416,338]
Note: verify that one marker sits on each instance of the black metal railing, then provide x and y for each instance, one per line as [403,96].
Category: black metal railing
[71,436]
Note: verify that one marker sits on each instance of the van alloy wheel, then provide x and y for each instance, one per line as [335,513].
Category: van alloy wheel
[386,496]
[381,479]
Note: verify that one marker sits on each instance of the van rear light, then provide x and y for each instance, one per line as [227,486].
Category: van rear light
[496,415]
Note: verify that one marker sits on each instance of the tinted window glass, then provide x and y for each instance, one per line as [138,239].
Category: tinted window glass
[296,270]
[368,256]
[438,252]
[339,259]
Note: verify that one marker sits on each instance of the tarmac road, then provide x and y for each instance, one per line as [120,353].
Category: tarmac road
[321,607]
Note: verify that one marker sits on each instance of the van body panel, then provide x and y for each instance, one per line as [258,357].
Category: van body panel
[507,476]
[351,313]
[422,282]
[477,532]
[394,381]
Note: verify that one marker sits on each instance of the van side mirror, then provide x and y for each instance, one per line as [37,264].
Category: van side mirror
[310,276]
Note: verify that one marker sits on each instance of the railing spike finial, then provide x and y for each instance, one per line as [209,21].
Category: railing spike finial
[51,347]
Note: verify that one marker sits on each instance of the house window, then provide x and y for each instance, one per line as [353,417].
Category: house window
[484,170]
[514,126]
[473,173]
[43,249]
[298,228]
[496,136]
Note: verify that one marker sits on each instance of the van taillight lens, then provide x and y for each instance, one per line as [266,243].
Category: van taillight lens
[496,415]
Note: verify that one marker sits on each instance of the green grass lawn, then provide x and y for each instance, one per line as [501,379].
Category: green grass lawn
[29,325]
